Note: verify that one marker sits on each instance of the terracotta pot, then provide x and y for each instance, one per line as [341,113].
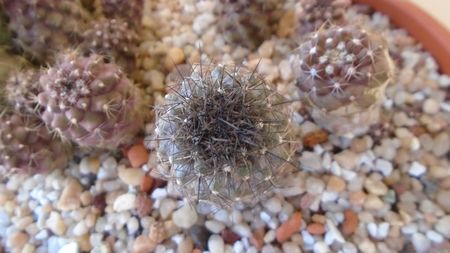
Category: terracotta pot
[434,37]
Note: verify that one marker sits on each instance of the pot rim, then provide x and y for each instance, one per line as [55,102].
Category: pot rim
[434,37]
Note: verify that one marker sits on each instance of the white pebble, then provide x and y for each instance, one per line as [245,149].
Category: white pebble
[443,226]
[69,248]
[420,242]
[434,236]
[166,207]
[273,205]
[185,217]
[243,230]
[308,239]
[132,225]
[202,22]
[80,229]
[216,244]
[417,169]
[314,185]
[269,236]
[124,202]
[384,166]
[238,247]
[321,247]
[214,226]
[430,106]
[291,247]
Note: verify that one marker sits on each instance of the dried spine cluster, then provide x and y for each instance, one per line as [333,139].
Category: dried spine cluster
[90,102]
[342,74]
[223,131]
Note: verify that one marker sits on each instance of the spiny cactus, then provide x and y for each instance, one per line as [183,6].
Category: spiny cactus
[90,102]
[113,38]
[21,90]
[342,73]
[128,10]
[248,22]
[27,146]
[9,63]
[43,27]
[322,12]
[223,131]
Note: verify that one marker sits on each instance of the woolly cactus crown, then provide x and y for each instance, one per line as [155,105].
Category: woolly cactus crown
[223,132]
[90,102]
[341,66]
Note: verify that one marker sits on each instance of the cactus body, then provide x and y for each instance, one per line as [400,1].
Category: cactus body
[22,89]
[128,10]
[90,102]
[223,133]
[342,73]
[27,146]
[322,12]
[42,27]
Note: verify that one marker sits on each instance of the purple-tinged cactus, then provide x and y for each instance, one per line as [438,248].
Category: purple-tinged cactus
[21,90]
[342,73]
[26,145]
[223,131]
[113,38]
[317,13]
[128,10]
[90,102]
[42,27]
[248,22]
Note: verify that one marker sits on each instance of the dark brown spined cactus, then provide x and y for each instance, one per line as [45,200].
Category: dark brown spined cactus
[317,13]
[342,73]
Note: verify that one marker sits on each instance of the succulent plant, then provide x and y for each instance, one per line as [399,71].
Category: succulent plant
[223,131]
[21,90]
[27,146]
[128,10]
[342,73]
[90,102]
[113,38]
[9,63]
[248,22]
[43,27]
[319,12]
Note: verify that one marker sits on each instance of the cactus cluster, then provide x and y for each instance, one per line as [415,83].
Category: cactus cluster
[128,10]
[342,73]
[114,39]
[43,27]
[21,90]
[27,146]
[90,102]
[319,12]
[247,22]
[223,131]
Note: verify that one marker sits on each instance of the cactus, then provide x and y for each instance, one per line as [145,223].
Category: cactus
[9,63]
[319,12]
[22,89]
[248,23]
[128,10]
[27,146]
[113,38]
[223,132]
[43,27]
[342,73]
[90,102]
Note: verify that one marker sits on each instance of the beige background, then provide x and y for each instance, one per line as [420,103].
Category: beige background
[440,9]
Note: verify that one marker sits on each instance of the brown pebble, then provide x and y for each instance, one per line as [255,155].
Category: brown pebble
[318,218]
[316,229]
[229,236]
[143,205]
[286,25]
[350,222]
[306,201]
[357,198]
[288,228]
[158,232]
[313,138]
[257,239]
[417,130]
[196,251]
[138,155]
[143,244]
[18,240]
[336,184]
[99,202]
[146,183]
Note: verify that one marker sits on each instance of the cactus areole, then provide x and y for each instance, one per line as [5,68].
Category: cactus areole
[223,132]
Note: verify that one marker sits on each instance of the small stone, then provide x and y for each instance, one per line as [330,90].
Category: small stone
[420,242]
[89,165]
[291,247]
[310,161]
[336,184]
[101,248]
[384,166]
[430,106]
[321,247]
[131,176]
[314,185]
[158,232]
[316,229]
[443,199]
[357,198]
[441,144]
[28,248]
[214,226]
[285,70]
[417,169]
[137,155]
[287,24]
[375,187]
[347,159]
[80,228]
[273,205]
[146,183]
[70,196]
[443,226]
[257,239]
[216,244]
[124,202]
[143,205]
[166,207]
[288,228]
[351,222]
[71,247]
[132,226]
[229,236]
[202,22]
[143,244]
[373,203]
[185,246]
[174,57]
[185,217]
[314,138]
[17,240]
[56,224]
[367,246]
[434,236]
[199,236]
[266,49]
